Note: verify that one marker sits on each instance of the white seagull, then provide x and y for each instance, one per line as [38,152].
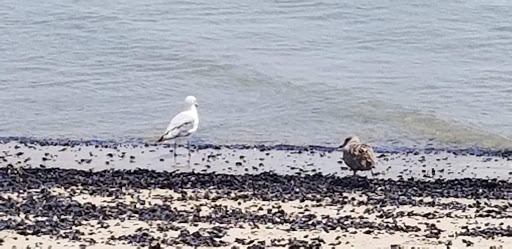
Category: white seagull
[183,125]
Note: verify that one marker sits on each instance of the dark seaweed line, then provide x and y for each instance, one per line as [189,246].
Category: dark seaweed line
[263,186]
[139,142]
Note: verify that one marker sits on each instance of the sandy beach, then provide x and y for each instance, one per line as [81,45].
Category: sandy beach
[134,195]
[271,104]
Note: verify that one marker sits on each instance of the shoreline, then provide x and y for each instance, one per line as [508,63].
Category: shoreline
[251,160]
[139,142]
[127,196]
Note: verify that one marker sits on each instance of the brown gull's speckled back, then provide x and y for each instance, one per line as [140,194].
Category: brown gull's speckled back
[358,156]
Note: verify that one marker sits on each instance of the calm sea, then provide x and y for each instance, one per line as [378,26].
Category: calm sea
[412,73]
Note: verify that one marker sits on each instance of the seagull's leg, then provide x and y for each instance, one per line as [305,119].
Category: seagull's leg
[188,147]
[175,148]
[189,153]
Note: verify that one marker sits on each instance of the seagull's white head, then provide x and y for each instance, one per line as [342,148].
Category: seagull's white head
[350,140]
[191,101]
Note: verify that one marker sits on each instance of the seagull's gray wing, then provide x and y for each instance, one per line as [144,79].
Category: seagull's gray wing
[179,126]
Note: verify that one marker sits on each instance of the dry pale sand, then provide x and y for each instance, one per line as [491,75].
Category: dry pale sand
[338,239]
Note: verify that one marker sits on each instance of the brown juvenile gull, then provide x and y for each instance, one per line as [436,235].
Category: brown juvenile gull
[357,155]
[183,125]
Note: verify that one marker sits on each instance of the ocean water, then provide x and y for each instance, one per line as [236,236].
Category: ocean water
[396,73]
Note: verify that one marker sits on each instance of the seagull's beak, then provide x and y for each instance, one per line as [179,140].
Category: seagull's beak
[197,105]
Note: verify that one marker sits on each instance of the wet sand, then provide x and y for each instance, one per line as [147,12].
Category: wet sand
[129,195]
[433,164]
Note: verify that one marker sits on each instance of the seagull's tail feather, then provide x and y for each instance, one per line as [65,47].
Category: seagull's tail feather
[160,139]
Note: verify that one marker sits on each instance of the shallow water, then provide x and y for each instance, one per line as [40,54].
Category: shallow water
[395,73]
